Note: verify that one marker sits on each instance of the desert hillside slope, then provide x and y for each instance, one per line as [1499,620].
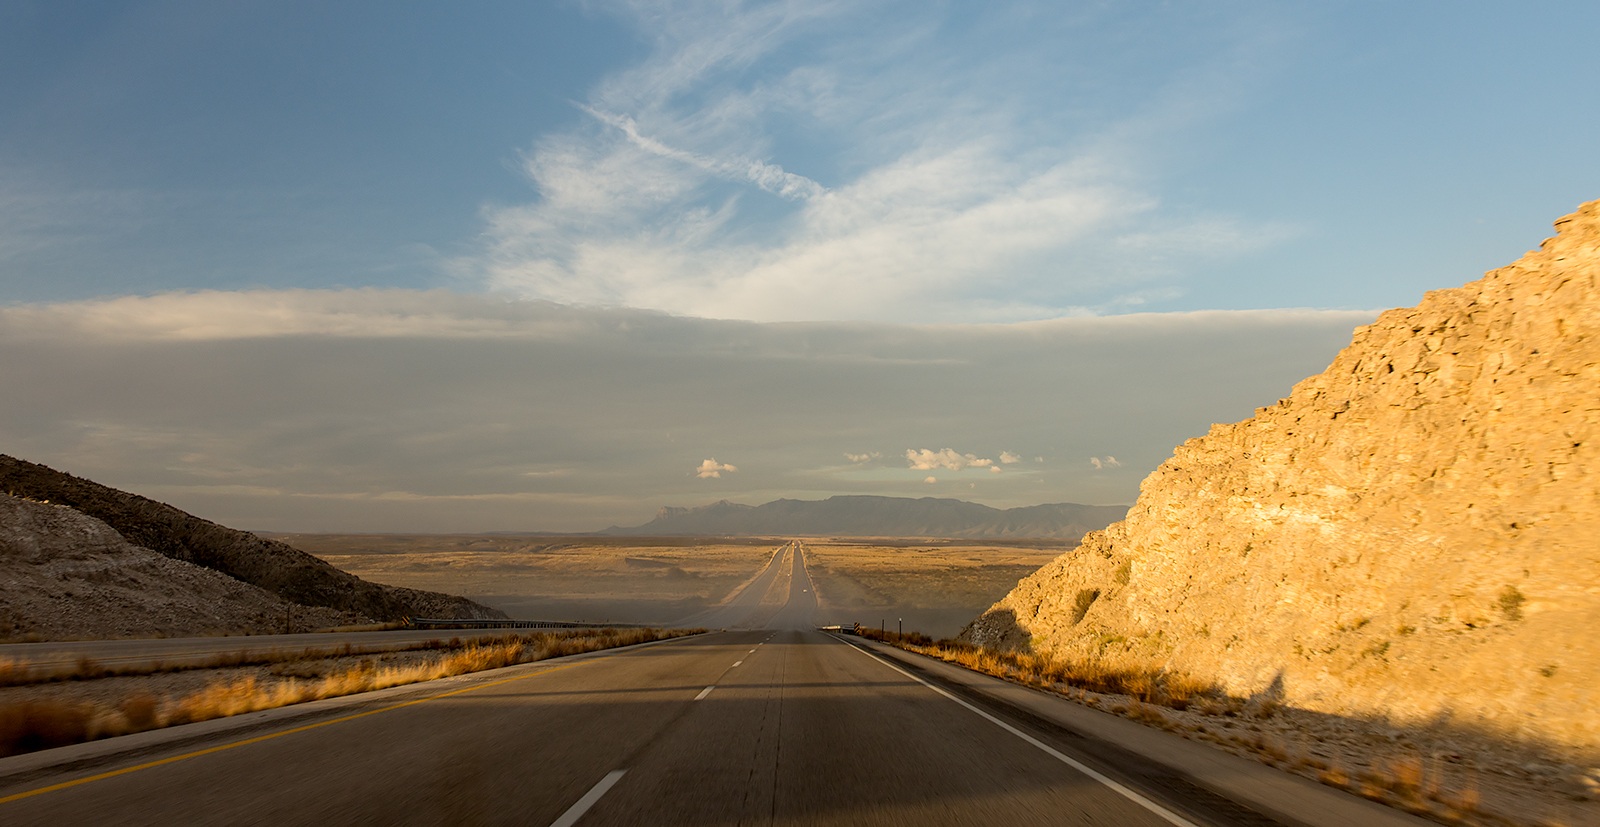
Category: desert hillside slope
[1414,534]
[65,575]
[268,564]
[870,516]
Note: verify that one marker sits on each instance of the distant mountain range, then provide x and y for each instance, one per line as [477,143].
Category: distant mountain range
[867,516]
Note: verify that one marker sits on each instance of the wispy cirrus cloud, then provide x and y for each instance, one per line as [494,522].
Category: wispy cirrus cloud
[806,161]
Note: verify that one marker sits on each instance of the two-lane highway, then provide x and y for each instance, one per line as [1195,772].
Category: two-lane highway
[776,726]
[798,727]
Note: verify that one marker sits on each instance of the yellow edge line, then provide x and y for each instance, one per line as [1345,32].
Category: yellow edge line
[124,771]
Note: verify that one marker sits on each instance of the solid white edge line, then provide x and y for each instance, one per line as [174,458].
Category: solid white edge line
[704,693]
[576,811]
[1136,798]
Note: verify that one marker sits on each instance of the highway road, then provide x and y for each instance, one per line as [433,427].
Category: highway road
[744,609]
[781,725]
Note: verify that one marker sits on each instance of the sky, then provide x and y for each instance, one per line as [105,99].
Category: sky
[496,266]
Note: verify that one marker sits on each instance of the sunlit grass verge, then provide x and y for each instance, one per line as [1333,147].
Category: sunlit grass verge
[30,725]
[1144,685]
[1140,692]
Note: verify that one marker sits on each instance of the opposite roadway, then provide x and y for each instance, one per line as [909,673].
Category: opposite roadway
[779,725]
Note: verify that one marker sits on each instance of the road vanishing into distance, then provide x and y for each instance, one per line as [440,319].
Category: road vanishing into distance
[777,725]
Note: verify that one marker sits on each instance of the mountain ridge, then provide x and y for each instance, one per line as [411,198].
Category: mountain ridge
[864,515]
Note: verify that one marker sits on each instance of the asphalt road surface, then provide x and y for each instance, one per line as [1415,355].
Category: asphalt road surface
[784,725]
[744,610]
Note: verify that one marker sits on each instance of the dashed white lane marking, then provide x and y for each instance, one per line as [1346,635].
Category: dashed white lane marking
[704,693]
[576,811]
[737,662]
[1163,812]
[752,651]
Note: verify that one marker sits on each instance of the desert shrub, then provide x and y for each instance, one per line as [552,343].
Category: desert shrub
[33,725]
[1510,603]
[1081,603]
[140,710]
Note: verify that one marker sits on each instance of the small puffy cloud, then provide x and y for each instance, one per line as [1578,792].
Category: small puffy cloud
[862,459]
[931,479]
[994,469]
[925,460]
[1101,463]
[1112,462]
[1038,459]
[712,469]
[1007,457]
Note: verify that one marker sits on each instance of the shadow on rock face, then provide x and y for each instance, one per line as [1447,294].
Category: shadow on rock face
[997,629]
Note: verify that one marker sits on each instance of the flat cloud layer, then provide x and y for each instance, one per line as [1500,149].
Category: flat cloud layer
[396,410]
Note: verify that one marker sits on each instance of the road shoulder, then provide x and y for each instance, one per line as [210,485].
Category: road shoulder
[1271,792]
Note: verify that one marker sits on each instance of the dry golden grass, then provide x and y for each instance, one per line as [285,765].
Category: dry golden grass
[1144,684]
[23,673]
[42,724]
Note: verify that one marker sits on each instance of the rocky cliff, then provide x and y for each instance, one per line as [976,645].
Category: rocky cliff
[1414,534]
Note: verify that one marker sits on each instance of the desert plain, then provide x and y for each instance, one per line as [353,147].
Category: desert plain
[933,586]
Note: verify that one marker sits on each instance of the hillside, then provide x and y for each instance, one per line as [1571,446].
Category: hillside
[1408,536]
[66,575]
[866,516]
[284,571]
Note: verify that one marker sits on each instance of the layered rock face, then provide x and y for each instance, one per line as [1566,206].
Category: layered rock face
[1414,534]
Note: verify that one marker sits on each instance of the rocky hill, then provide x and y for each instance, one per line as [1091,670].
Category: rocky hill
[1410,535]
[286,572]
[865,516]
[66,575]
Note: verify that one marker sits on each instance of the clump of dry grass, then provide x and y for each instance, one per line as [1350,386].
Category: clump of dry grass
[1159,687]
[33,725]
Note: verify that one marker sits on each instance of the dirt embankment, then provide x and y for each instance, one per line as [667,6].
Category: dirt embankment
[270,565]
[1409,537]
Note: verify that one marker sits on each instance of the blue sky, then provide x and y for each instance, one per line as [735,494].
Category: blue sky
[912,167]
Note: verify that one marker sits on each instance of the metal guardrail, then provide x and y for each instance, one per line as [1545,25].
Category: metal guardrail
[460,623]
